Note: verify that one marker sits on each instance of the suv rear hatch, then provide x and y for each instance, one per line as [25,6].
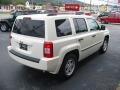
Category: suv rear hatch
[28,37]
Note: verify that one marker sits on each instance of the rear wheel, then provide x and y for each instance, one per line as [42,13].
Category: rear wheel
[4,27]
[104,22]
[69,66]
[104,47]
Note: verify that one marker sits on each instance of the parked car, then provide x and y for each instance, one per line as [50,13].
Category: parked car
[103,14]
[72,12]
[79,13]
[88,13]
[6,23]
[56,43]
[49,11]
[112,18]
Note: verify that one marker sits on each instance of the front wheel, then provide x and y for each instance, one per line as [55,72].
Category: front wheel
[104,47]
[4,27]
[69,66]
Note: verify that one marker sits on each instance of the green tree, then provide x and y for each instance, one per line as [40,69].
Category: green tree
[12,1]
[18,1]
[5,1]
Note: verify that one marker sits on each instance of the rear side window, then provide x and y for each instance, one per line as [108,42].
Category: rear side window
[63,27]
[80,25]
[35,28]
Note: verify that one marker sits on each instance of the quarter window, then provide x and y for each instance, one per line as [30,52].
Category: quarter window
[63,27]
[80,25]
[93,25]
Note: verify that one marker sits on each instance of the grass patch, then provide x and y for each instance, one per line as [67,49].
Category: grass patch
[4,12]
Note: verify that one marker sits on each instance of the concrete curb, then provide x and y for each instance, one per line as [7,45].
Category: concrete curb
[115,23]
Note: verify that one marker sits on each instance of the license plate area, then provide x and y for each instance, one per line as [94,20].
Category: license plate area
[23,46]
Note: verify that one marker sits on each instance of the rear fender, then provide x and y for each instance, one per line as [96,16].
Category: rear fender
[66,50]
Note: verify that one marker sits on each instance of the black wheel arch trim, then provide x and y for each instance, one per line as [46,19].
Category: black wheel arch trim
[7,22]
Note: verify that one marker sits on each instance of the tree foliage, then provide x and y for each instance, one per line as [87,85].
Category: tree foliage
[5,1]
[23,1]
[18,1]
[56,2]
[12,1]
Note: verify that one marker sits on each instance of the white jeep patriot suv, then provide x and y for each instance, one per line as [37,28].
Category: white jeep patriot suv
[56,43]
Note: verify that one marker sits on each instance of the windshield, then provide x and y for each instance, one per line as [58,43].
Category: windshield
[35,28]
[19,13]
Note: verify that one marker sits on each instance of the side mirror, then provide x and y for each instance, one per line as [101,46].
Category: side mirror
[102,27]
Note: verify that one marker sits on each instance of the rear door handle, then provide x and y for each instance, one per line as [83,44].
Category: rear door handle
[80,39]
[93,35]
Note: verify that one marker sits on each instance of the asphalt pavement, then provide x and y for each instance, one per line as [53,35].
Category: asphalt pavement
[97,72]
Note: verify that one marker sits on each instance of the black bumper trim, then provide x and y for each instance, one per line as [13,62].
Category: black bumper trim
[24,56]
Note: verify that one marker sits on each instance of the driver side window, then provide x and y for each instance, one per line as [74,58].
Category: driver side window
[93,25]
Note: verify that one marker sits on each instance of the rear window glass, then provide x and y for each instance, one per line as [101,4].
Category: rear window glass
[63,27]
[35,28]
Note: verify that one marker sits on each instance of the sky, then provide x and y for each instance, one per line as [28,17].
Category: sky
[99,2]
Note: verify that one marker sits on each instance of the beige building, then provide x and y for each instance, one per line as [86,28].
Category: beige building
[11,7]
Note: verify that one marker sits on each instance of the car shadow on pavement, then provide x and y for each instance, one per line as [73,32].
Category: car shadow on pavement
[39,79]
[88,59]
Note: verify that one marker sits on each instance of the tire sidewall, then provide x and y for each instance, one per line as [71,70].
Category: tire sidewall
[62,70]
[6,27]
[102,48]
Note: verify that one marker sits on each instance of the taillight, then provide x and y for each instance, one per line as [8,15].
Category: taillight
[10,37]
[48,49]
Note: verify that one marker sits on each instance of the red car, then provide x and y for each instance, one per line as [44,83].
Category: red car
[112,18]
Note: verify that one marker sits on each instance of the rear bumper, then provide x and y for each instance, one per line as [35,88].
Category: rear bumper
[24,56]
[44,64]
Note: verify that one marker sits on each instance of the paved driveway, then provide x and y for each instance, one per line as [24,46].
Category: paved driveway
[97,72]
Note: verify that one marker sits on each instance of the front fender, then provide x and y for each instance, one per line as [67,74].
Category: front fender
[5,21]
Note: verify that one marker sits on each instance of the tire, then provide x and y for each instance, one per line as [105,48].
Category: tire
[104,47]
[4,27]
[104,22]
[69,66]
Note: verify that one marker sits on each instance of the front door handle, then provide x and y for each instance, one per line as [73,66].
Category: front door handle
[80,39]
[93,35]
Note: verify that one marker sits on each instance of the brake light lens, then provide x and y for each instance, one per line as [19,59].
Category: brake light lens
[48,49]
